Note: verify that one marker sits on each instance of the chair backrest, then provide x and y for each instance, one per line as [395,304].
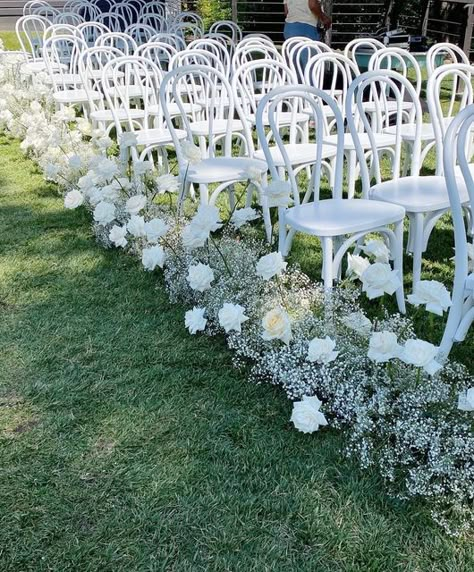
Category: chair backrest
[70,18]
[214,47]
[30,32]
[211,89]
[129,83]
[398,59]
[362,47]
[87,10]
[374,86]
[229,28]
[28,7]
[156,21]
[61,55]
[154,7]
[247,52]
[437,55]
[90,31]
[141,33]
[294,97]
[120,40]
[255,79]
[45,10]
[197,58]
[127,10]
[173,40]
[449,90]
[189,18]
[333,73]
[115,22]
[300,53]
[159,53]
[187,30]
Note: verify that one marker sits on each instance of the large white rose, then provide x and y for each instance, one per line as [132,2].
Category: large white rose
[358,322]
[231,317]
[421,354]
[75,162]
[379,279]
[128,139]
[106,170]
[466,400]
[152,257]
[277,326]
[378,249]
[383,346]
[271,265]
[167,183]
[104,213]
[200,277]
[278,193]
[306,416]
[321,350]
[135,204]
[432,294]
[194,237]
[194,320]
[356,265]
[207,218]
[142,167]
[136,226]
[117,235]
[243,216]
[155,229]
[191,153]
[73,199]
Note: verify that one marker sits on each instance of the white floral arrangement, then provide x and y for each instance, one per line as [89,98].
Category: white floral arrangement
[406,414]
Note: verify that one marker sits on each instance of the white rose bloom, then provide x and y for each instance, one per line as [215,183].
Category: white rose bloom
[155,229]
[84,126]
[87,181]
[104,213]
[111,192]
[231,317]
[135,204]
[167,184]
[128,139]
[466,400]
[106,170]
[191,153]
[207,218]
[431,293]
[358,322]
[306,416]
[378,249]
[277,326]
[243,216]
[200,277]
[194,320]
[51,171]
[75,162]
[35,106]
[271,265]
[65,114]
[153,257]
[321,350]
[73,199]
[356,265]
[254,174]
[383,346]
[142,167]
[136,226]
[193,237]
[278,193]
[421,354]
[379,279]
[95,196]
[117,235]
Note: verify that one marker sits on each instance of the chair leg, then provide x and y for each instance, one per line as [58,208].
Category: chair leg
[417,233]
[328,271]
[397,252]
[351,173]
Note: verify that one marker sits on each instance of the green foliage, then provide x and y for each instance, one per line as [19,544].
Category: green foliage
[213,10]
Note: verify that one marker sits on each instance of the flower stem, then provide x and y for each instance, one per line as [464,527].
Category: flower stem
[214,242]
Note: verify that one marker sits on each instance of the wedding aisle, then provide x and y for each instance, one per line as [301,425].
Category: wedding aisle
[128,445]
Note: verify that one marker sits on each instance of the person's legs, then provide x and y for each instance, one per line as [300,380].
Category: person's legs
[293,29]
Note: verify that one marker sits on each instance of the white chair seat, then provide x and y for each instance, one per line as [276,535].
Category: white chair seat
[71,96]
[157,137]
[417,194]
[382,140]
[338,217]
[67,79]
[174,109]
[99,74]
[408,131]
[391,105]
[106,114]
[284,118]
[131,91]
[298,154]
[222,169]
[37,66]
[219,127]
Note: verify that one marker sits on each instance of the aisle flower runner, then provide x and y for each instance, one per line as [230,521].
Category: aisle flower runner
[405,414]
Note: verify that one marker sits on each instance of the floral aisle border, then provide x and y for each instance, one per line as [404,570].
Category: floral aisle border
[408,417]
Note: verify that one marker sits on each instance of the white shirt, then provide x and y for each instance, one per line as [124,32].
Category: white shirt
[298,11]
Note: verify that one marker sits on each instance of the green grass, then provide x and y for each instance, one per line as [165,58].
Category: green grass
[10,40]
[128,445]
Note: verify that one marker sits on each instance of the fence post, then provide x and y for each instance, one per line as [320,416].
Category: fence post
[468,36]
[235,11]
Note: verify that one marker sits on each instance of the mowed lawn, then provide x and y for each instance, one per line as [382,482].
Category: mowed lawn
[128,445]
